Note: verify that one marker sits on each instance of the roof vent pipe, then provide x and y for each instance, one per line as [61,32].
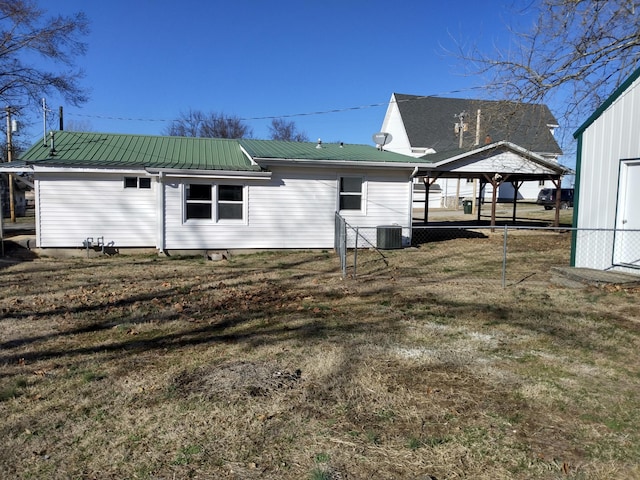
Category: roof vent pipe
[52,147]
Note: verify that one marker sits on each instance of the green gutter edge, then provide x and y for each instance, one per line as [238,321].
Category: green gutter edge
[576,202]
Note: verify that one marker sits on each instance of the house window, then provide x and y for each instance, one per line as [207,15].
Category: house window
[130,182]
[137,182]
[200,203]
[230,202]
[351,193]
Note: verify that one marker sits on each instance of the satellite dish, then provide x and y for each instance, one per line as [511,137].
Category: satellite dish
[382,138]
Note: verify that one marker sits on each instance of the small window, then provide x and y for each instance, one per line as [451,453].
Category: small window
[351,193]
[130,182]
[198,201]
[137,182]
[230,202]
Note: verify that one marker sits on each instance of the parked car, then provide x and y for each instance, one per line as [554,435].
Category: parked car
[547,198]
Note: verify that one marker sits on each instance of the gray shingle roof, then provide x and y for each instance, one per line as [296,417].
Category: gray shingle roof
[430,121]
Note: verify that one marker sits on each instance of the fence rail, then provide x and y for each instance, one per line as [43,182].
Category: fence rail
[476,254]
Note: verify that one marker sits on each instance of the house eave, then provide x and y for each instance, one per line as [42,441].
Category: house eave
[334,163]
[175,172]
[235,174]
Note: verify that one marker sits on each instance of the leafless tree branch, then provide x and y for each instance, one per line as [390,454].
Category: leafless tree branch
[576,53]
[25,33]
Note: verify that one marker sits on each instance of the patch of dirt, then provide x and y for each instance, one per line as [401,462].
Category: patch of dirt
[237,380]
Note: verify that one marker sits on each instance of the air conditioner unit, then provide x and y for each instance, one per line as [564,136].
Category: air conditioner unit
[389,237]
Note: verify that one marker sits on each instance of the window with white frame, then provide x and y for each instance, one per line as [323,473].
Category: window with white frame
[137,182]
[214,202]
[199,201]
[230,202]
[351,193]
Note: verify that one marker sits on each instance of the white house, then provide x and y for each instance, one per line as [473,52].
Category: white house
[607,190]
[423,125]
[175,193]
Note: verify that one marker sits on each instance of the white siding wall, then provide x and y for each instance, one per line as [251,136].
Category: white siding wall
[615,135]
[294,209]
[75,207]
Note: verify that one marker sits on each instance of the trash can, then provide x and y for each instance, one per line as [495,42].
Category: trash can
[467,205]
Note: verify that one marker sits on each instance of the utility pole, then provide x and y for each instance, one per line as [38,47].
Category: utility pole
[460,127]
[12,207]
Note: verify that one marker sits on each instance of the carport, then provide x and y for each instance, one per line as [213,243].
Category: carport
[492,164]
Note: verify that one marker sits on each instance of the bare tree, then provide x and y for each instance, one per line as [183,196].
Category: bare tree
[78,125]
[26,35]
[188,124]
[281,129]
[576,53]
[195,123]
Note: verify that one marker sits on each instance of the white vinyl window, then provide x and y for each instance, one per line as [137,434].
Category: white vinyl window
[230,202]
[351,189]
[198,201]
[205,201]
[137,182]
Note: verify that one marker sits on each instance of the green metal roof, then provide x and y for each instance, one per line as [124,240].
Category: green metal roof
[279,150]
[106,150]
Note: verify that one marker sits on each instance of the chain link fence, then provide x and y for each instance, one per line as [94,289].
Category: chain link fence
[476,254]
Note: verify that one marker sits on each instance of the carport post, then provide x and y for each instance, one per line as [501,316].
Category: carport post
[427,184]
[558,184]
[481,196]
[516,188]
[428,181]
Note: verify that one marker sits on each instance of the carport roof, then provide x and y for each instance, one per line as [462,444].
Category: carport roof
[488,156]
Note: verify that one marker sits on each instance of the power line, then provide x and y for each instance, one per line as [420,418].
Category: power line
[290,115]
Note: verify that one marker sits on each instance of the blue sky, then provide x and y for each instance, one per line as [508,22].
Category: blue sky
[150,60]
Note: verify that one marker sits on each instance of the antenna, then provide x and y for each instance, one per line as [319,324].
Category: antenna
[44,122]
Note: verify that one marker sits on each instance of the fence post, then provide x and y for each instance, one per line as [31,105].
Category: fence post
[344,248]
[355,253]
[504,258]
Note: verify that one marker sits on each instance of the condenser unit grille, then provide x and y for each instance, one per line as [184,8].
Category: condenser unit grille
[389,237]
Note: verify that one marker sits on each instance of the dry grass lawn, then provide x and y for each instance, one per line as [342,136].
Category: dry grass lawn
[271,366]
